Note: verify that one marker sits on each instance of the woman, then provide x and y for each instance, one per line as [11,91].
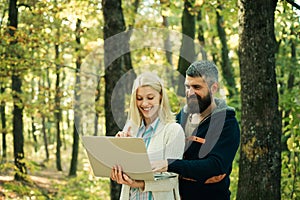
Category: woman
[150,117]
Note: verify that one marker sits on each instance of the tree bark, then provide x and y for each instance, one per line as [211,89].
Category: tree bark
[76,127]
[97,99]
[45,138]
[113,24]
[168,52]
[33,127]
[187,49]
[33,130]
[42,113]
[225,63]
[260,151]
[200,36]
[57,111]
[18,104]
[3,124]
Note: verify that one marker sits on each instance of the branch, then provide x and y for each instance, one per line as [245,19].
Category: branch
[24,5]
[293,4]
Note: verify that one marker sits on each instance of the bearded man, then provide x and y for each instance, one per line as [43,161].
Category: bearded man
[212,138]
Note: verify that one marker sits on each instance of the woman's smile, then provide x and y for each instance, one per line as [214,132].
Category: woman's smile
[148,101]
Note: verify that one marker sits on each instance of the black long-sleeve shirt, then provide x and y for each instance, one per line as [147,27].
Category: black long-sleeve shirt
[213,158]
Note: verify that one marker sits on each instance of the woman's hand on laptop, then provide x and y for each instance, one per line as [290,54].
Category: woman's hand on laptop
[122,178]
[124,133]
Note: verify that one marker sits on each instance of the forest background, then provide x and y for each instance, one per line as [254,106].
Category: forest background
[67,68]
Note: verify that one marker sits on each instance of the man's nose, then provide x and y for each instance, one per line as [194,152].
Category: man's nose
[190,92]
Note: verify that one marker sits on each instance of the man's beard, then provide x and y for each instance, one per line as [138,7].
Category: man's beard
[196,104]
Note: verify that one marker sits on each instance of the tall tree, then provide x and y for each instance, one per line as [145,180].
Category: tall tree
[57,106]
[187,49]
[167,41]
[76,127]
[260,155]
[200,35]
[44,133]
[113,24]
[16,90]
[3,123]
[33,125]
[226,66]
[57,110]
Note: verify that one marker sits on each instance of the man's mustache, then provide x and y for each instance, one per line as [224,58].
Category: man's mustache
[192,97]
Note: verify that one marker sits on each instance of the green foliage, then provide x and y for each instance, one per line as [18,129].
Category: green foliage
[44,24]
[14,189]
[291,151]
[6,167]
[234,177]
[83,186]
[44,182]
[23,190]
[176,102]
[288,74]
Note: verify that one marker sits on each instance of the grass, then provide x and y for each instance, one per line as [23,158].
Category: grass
[43,181]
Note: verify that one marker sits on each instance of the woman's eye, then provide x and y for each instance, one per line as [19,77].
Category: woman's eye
[150,98]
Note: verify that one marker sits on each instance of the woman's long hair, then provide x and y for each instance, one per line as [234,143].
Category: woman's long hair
[152,80]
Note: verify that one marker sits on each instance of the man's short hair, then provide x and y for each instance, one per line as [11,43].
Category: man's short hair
[205,69]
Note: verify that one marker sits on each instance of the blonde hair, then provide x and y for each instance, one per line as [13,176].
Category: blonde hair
[152,80]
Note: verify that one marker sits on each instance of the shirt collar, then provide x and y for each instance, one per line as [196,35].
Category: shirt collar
[152,125]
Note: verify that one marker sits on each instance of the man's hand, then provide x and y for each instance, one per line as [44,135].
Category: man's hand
[159,166]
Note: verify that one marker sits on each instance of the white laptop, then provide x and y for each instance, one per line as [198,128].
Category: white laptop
[104,152]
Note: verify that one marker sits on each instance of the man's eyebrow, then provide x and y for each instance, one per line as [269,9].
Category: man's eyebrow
[193,85]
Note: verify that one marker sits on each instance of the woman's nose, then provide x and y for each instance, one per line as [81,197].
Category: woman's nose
[145,102]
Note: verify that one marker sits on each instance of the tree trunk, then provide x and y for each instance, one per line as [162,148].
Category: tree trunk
[187,49]
[43,131]
[113,24]
[46,118]
[97,99]
[3,124]
[168,46]
[260,155]
[201,35]
[18,128]
[18,104]
[33,130]
[57,111]
[76,129]
[33,127]
[225,63]
[45,138]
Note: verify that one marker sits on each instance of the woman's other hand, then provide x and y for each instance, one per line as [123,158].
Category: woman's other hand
[121,178]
